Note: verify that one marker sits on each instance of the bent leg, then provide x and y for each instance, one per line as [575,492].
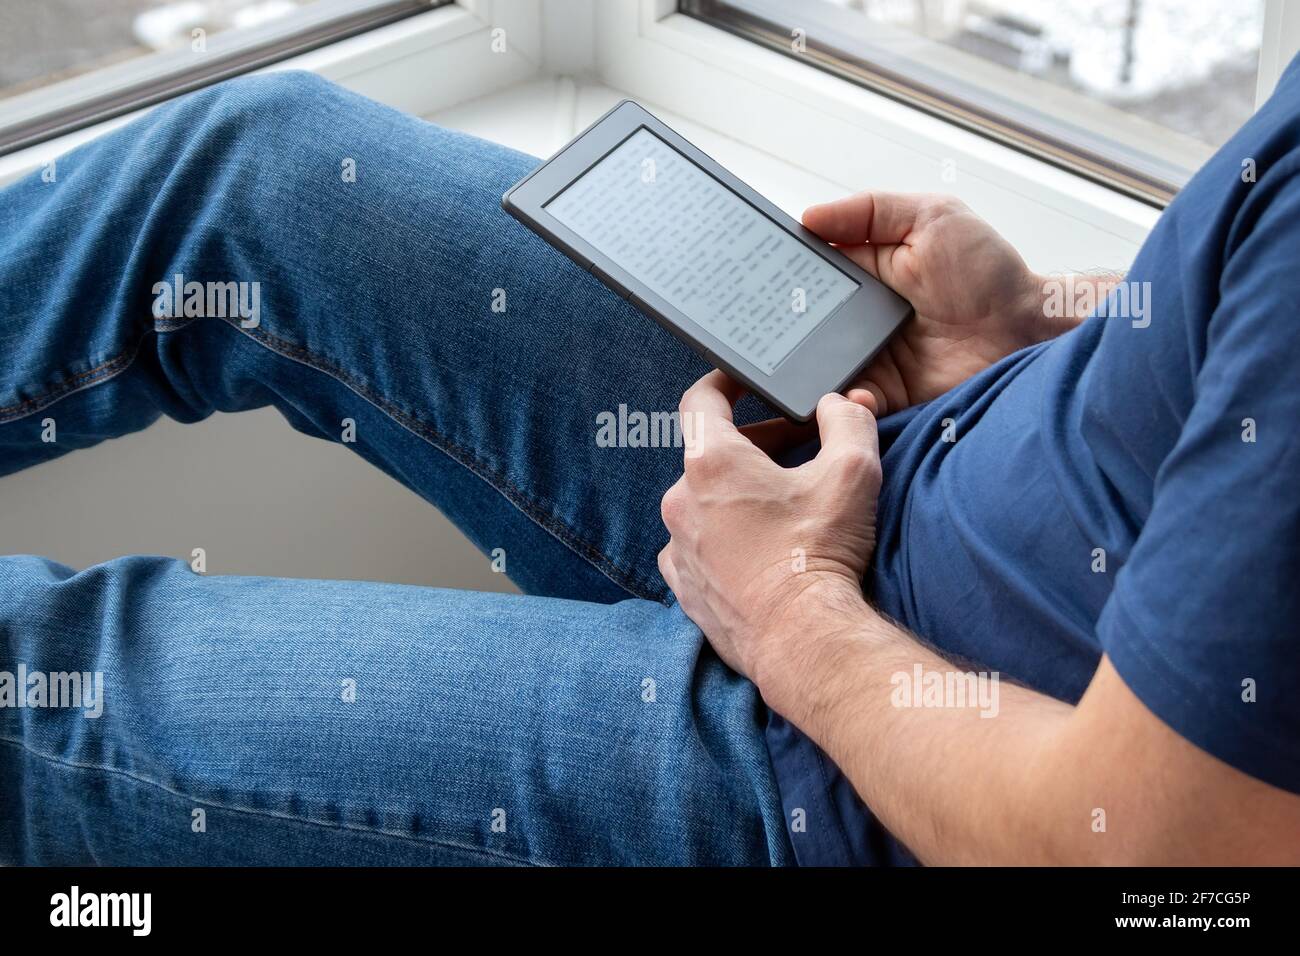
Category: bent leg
[259,721]
[469,359]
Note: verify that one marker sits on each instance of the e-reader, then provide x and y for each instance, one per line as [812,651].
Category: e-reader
[700,252]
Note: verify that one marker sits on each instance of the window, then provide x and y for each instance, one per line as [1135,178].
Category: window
[65,64]
[1132,93]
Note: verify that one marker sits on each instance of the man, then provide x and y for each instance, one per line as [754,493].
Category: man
[1097,514]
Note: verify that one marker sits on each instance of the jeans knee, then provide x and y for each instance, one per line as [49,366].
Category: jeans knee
[285,101]
[278,92]
[238,142]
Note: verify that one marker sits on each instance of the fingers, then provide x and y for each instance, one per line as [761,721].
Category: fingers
[870,397]
[714,394]
[881,380]
[847,428]
[776,436]
[706,410]
[875,217]
[673,507]
[668,570]
[874,259]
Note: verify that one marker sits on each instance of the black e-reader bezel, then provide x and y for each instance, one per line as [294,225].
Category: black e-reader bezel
[826,360]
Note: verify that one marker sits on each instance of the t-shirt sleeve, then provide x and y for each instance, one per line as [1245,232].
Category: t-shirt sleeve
[1203,623]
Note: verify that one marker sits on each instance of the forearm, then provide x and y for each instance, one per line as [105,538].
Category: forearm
[979,783]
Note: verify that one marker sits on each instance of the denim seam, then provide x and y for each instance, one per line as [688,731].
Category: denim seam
[92,376]
[589,552]
[462,456]
[82,380]
[267,814]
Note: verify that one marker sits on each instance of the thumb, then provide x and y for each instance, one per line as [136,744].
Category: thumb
[845,426]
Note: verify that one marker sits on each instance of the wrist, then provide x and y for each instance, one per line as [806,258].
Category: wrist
[1035,318]
[1061,302]
[822,626]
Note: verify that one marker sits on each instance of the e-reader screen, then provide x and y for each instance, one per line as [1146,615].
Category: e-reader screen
[711,255]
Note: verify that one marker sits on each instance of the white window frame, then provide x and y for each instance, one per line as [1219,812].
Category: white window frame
[1281,41]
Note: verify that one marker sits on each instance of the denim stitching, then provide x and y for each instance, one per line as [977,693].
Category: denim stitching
[624,578]
[306,821]
[93,376]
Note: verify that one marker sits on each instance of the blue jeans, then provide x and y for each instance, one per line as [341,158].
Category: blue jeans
[264,721]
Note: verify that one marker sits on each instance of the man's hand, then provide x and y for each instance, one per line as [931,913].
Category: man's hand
[757,547]
[975,299]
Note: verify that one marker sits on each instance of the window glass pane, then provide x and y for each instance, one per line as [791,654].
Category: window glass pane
[1188,65]
[1134,92]
[44,41]
[68,64]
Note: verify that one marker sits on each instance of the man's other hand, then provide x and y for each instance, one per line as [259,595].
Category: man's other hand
[975,299]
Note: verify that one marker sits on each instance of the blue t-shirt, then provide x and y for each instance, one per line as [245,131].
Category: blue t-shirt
[1164,441]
